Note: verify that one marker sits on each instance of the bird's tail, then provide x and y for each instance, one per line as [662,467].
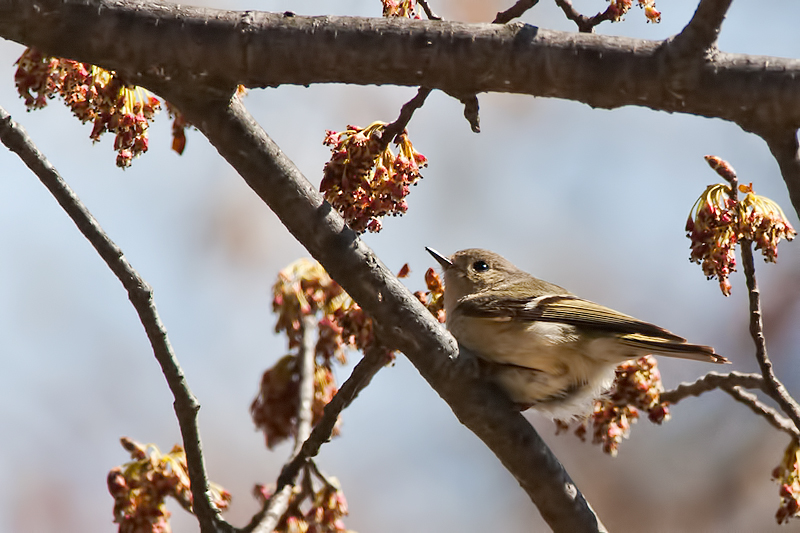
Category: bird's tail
[673,348]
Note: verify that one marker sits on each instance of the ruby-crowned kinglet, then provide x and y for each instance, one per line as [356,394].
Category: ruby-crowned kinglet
[545,347]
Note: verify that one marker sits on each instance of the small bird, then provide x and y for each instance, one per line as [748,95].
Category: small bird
[545,347]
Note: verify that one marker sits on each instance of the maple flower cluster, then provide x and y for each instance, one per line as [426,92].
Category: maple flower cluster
[310,510]
[305,288]
[762,221]
[433,298]
[787,475]
[364,180]
[94,95]
[99,96]
[618,8]
[400,8]
[637,387]
[717,222]
[140,488]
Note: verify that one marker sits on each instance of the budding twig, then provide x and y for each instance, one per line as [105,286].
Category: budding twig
[141,296]
[278,503]
[266,520]
[772,385]
[397,127]
[517,10]
[712,381]
[429,12]
[585,24]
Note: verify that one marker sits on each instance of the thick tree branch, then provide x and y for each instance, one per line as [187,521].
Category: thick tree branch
[685,55]
[408,325]
[428,11]
[148,42]
[712,381]
[141,296]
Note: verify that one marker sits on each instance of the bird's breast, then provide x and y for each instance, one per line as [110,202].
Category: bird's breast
[531,344]
[547,365]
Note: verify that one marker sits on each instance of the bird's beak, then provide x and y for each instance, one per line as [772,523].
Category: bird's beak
[442,260]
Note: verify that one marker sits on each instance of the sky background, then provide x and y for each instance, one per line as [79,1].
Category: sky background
[592,200]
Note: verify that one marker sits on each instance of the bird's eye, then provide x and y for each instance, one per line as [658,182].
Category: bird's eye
[480,266]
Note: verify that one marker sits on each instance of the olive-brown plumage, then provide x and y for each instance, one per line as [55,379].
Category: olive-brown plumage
[546,347]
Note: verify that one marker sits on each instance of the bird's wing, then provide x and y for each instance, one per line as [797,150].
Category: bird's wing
[567,309]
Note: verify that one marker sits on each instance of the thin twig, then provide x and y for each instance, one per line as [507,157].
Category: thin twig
[712,381]
[585,24]
[306,375]
[772,416]
[265,521]
[683,55]
[772,385]
[429,12]
[517,10]
[279,502]
[141,296]
[391,131]
[312,465]
[374,359]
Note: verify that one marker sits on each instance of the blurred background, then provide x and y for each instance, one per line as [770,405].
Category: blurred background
[593,200]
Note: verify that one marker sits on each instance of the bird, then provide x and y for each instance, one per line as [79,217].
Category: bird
[546,348]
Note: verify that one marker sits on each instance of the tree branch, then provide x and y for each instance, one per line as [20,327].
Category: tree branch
[771,415]
[141,296]
[686,54]
[264,522]
[151,43]
[428,11]
[772,385]
[408,324]
[406,112]
[585,24]
[267,520]
[785,150]
[517,10]
[306,365]
[712,381]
